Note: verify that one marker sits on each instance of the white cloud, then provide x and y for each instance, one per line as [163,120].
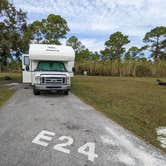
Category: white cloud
[137,3]
[93,44]
[101,17]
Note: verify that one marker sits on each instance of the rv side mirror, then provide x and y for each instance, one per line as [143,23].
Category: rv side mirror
[73,69]
[26,61]
[27,68]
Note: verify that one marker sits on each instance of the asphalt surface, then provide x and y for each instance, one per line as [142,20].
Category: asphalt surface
[26,115]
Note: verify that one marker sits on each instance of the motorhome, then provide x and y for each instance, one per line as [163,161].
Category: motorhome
[48,67]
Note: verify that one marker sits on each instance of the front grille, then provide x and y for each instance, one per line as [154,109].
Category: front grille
[53,80]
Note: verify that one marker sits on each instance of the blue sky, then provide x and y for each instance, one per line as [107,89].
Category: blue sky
[92,21]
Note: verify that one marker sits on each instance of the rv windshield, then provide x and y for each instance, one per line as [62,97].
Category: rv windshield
[51,66]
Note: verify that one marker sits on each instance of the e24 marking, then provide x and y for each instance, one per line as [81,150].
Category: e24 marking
[88,149]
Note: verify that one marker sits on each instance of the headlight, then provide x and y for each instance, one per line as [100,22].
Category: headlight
[68,80]
[37,79]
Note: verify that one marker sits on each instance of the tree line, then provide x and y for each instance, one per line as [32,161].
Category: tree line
[16,35]
[155,43]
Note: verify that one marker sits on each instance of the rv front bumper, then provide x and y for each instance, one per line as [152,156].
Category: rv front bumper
[52,87]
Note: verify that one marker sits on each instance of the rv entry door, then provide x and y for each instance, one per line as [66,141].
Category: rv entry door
[26,69]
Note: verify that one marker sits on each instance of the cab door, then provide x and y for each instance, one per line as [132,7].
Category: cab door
[26,69]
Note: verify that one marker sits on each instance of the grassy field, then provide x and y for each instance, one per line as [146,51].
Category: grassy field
[137,104]
[5,78]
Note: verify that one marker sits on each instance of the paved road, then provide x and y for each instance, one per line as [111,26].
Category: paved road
[33,128]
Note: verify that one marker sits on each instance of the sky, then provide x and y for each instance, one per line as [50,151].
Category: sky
[92,21]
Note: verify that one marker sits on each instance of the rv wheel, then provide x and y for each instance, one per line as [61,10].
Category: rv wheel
[36,92]
[66,92]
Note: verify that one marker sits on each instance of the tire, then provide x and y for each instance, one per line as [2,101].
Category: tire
[36,92]
[66,92]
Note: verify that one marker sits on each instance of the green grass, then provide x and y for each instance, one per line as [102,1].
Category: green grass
[6,93]
[137,104]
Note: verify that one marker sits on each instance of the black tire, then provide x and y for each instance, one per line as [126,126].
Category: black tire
[66,92]
[36,92]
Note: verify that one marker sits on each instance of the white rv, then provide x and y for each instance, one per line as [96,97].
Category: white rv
[48,67]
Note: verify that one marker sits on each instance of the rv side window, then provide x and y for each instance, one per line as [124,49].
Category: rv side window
[26,61]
